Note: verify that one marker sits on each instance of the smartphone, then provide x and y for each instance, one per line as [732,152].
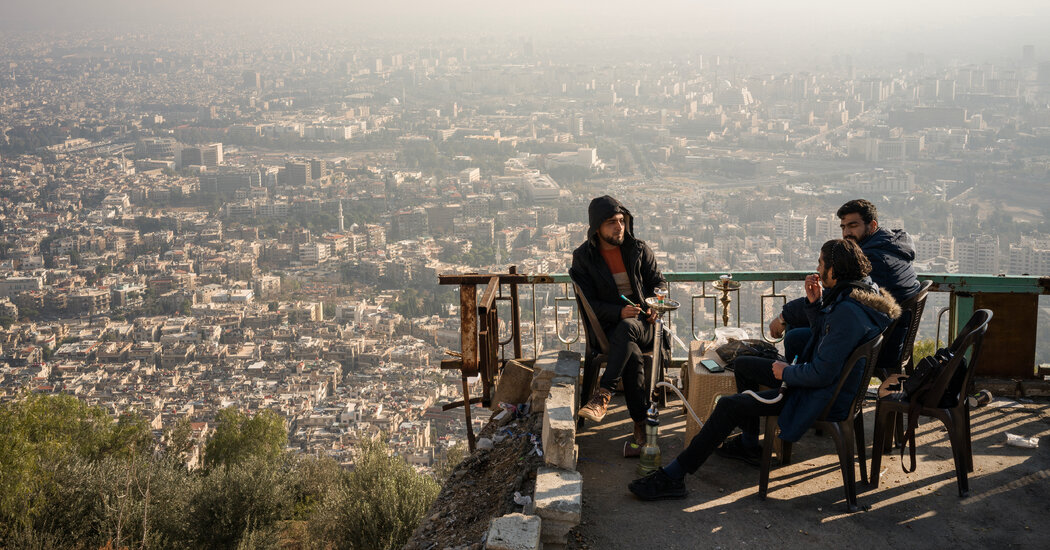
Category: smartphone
[711,365]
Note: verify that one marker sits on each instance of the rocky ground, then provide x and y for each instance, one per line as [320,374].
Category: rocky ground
[482,487]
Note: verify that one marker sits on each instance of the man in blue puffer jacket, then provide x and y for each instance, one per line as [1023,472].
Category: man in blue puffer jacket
[850,311]
[891,254]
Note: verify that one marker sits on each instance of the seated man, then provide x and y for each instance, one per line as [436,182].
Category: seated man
[610,265]
[891,254]
[850,312]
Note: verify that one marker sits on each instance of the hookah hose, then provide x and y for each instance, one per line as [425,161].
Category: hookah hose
[783,388]
[748,392]
[682,397]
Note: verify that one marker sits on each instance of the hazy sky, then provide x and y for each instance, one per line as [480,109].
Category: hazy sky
[755,27]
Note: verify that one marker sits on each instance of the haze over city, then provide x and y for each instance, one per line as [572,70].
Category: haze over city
[214,213]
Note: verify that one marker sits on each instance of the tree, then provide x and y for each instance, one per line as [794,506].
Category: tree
[238,437]
[37,432]
[378,505]
[179,440]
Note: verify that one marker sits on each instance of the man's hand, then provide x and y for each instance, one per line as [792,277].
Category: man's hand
[629,311]
[778,369]
[777,327]
[653,316]
[813,287]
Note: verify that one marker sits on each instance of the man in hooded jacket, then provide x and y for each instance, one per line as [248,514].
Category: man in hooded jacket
[891,254]
[611,265]
[851,311]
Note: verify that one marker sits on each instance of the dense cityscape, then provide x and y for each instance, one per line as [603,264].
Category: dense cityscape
[193,220]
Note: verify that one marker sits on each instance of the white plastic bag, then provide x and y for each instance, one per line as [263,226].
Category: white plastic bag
[723,334]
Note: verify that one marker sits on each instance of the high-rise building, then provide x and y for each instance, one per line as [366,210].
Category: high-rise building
[1031,257]
[411,223]
[790,225]
[157,147]
[191,156]
[211,154]
[1028,54]
[978,254]
[826,228]
[928,247]
[252,79]
[318,169]
[298,173]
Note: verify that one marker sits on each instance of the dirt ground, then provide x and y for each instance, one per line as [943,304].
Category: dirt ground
[1008,506]
[482,487]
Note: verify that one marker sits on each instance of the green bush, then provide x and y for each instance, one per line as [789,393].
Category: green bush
[39,432]
[239,437]
[249,496]
[923,348]
[72,477]
[377,506]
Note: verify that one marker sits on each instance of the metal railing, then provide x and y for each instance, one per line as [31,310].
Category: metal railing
[487,336]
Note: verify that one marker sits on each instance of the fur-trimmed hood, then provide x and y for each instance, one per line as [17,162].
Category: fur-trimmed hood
[882,302]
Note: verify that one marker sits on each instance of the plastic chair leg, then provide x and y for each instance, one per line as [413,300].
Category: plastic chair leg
[882,418]
[844,446]
[956,438]
[767,456]
[858,431]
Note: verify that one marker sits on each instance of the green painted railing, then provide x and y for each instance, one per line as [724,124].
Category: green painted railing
[1009,348]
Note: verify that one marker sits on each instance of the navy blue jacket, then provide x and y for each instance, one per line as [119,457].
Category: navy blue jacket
[891,254]
[853,317]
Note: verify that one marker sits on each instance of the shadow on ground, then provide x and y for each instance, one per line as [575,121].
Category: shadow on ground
[1008,504]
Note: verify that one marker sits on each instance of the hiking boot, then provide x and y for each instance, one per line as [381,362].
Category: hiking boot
[658,486]
[596,408]
[632,448]
[735,448]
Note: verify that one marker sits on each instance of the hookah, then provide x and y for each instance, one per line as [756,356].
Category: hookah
[650,459]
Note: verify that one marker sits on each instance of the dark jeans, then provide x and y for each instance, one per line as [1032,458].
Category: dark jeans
[730,412]
[626,343]
[751,373]
[795,341]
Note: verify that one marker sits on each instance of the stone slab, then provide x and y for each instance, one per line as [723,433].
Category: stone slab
[514,385]
[559,495]
[514,532]
[559,428]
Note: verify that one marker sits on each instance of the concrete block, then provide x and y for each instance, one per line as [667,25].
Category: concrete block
[558,498]
[514,532]
[1035,388]
[559,428]
[562,363]
[1000,387]
[550,368]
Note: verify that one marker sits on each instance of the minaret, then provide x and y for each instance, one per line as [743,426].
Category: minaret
[342,228]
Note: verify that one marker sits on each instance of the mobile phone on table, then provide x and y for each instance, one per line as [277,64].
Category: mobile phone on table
[711,365]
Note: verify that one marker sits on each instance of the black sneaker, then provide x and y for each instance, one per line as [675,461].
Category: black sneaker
[735,448]
[658,486]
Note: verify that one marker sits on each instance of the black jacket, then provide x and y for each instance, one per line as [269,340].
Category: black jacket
[592,275]
[891,255]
